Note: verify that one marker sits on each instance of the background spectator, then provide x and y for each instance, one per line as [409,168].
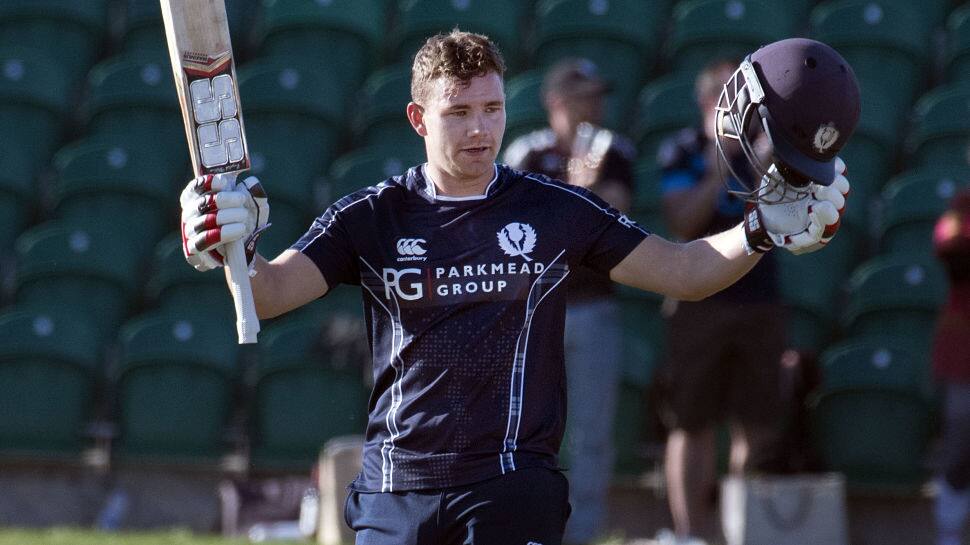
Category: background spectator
[724,351]
[951,365]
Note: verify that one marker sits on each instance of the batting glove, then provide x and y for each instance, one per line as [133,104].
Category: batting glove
[801,226]
[216,210]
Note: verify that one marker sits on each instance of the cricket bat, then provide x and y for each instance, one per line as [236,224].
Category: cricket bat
[205,78]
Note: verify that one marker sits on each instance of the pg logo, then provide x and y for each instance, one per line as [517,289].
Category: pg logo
[408,292]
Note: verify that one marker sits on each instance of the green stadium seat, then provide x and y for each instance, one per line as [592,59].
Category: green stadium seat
[105,178]
[50,364]
[872,417]
[708,30]
[340,37]
[294,110]
[365,167]
[524,111]
[618,36]
[135,99]
[175,287]
[648,194]
[291,193]
[70,32]
[308,388]
[912,202]
[35,96]
[289,223]
[175,383]
[874,362]
[144,34]
[870,152]
[869,157]
[13,219]
[886,43]
[896,295]
[957,57]
[381,118]
[931,14]
[79,268]
[665,106]
[282,181]
[810,287]
[941,128]
[243,15]
[418,20]
[143,31]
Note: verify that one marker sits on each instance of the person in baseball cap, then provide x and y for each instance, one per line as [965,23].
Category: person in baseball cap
[575,77]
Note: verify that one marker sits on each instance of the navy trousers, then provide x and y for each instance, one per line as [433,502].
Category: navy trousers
[524,507]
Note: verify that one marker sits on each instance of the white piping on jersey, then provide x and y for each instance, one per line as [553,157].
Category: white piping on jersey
[397,395]
[575,193]
[506,458]
[433,191]
[333,216]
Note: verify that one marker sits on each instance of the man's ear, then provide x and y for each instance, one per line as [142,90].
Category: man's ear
[416,117]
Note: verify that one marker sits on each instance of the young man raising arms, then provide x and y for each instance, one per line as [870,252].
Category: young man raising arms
[461,263]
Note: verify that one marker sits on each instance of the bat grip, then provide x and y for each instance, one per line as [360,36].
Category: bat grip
[247,324]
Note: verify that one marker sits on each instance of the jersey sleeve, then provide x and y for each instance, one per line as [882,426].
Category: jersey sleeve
[611,235]
[329,245]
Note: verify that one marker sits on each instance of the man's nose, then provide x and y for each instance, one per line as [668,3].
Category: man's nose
[479,125]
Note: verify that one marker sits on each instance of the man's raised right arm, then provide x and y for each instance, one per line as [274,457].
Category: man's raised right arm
[214,214]
[289,281]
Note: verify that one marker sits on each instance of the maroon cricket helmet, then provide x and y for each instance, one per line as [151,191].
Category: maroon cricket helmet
[806,99]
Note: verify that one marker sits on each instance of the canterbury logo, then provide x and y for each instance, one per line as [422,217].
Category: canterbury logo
[411,246]
[517,239]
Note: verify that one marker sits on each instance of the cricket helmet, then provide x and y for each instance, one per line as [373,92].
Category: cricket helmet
[805,98]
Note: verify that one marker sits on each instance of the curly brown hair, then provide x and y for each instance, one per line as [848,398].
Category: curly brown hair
[458,56]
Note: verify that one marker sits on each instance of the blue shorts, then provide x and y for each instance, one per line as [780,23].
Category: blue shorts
[525,507]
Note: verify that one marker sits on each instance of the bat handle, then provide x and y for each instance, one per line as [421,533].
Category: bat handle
[247,323]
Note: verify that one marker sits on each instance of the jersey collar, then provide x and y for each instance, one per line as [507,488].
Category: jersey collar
[430,190]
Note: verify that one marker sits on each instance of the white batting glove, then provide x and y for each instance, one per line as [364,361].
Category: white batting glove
[216,210]
[802,226]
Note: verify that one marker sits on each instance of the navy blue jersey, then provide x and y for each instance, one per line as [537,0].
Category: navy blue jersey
[464,306]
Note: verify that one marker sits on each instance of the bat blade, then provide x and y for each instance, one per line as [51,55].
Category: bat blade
[199,47]
[205,78]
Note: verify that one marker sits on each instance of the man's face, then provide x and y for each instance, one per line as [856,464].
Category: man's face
[463,126]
